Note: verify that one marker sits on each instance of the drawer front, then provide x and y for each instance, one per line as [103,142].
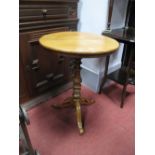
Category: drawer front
[43,12]
[41,16]
[32,37]
[46,12]
[29,26]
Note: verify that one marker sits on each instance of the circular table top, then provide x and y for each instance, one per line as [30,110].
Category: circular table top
[79,43]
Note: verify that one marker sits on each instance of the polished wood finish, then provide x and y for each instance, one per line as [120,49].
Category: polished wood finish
[76,99]
[78,45]
[126,35]
[123,75]
[41,71]
[123,35]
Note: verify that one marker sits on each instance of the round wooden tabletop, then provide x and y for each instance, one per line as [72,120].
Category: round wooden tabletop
[79,43]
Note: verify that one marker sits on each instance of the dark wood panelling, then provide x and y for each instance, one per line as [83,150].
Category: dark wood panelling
[40,69]
[23,94]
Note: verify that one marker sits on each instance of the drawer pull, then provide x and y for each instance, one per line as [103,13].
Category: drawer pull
[41,83]
[32,68]
[61,59]
[35,68]
[49,76]
[35,65]
[59,76]
[44,12]
[35,62]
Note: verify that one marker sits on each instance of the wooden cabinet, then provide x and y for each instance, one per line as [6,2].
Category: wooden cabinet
[40,69]
[22,85]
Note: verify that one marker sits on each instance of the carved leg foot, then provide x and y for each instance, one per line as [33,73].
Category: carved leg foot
[85,101]
[68,102]
[79,117]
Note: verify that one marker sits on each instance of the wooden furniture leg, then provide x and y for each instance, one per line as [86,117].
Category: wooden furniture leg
[69,102]
[105,73]
[77,93]
[123,95]
[76,100]
[79,117]
[127,78]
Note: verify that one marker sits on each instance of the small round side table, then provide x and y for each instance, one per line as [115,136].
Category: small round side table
[78,45]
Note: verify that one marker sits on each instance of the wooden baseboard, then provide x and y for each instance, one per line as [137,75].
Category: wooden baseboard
[41,99]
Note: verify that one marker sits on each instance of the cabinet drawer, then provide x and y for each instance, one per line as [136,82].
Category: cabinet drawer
[43,69]
[27,39]
[40,12]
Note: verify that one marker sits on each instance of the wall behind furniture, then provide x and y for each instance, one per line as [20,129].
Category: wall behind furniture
[92,16]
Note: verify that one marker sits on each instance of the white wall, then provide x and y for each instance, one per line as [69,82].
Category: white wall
[92,16]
